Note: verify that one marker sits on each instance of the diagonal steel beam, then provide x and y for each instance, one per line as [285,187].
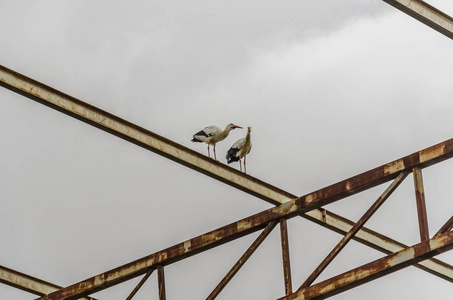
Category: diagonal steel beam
[139,285]
[28,283]
[351,233]
[258,221]
[144,138]
[242,260]
[153,142]
[376,269]
[426,14]
[378,242]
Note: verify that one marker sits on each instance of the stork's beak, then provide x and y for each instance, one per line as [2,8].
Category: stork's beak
[235,126]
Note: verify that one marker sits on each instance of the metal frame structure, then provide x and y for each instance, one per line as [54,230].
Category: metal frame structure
[398,255]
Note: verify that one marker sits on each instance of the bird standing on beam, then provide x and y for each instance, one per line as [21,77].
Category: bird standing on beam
[211,135]
[240,149]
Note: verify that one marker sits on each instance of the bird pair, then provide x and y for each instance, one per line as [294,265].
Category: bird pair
[211,135]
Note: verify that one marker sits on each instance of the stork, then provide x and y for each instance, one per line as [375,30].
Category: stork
[240,149]
[211,135]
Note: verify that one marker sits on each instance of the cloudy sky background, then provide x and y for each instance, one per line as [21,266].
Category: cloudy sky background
[331,89]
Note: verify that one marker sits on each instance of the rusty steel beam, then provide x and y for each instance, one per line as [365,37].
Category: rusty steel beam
[351,233]
[285,257]
[140,284]
[378,242]
[130,132]
[29,283]
[376,269]
[258,221]
[446,227]
[26,282]
[238,265]
[139,136]
[161,282]
[426,14]
[421,205]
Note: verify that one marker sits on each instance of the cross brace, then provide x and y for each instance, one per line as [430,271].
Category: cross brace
[146,139]
[376,269]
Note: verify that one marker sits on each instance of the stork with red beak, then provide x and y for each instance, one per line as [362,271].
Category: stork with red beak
[240,149]
[211,135]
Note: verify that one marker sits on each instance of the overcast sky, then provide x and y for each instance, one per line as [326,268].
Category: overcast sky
[331,89]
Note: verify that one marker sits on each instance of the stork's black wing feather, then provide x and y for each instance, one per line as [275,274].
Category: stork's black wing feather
[231,155]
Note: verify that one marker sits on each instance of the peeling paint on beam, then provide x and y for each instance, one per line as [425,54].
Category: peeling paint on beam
[377,241]
[426,14]
[196,245]
[144,138]
[44,94]
[376,269]
[28,283]
[379,175]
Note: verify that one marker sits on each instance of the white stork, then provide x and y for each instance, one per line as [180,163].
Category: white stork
[240,149]
[211,135]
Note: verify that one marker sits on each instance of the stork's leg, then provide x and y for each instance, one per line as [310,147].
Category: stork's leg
[214,153]
[240,165]
[245,169]
[209,155]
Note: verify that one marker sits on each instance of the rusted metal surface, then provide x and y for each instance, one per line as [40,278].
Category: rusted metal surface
[421,205]
[447,227]
[285,257]
[161,282]
[130,132]
[351,233]
[140,284]
[377,241]
[426,14]
[238,265]
[139,136]
[29,283]
[26,282]
[379,175]
[376,269]
[258,221]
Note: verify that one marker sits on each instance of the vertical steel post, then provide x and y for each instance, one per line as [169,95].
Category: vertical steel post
[285,255]
[161,282]
[421,205]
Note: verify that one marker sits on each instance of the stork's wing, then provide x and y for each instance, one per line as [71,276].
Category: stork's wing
[210,131]
[239,144]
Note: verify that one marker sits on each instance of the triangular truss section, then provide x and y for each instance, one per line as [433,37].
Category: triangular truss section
[310,206]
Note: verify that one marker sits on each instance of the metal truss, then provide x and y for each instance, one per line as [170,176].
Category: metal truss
[308,206]
[287,205]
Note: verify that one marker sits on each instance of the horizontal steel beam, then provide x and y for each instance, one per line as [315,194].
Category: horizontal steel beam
[376,269]
[426,14]
[258,221]
[28,283]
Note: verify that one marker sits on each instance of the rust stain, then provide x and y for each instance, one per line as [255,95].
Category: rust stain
[394,167]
